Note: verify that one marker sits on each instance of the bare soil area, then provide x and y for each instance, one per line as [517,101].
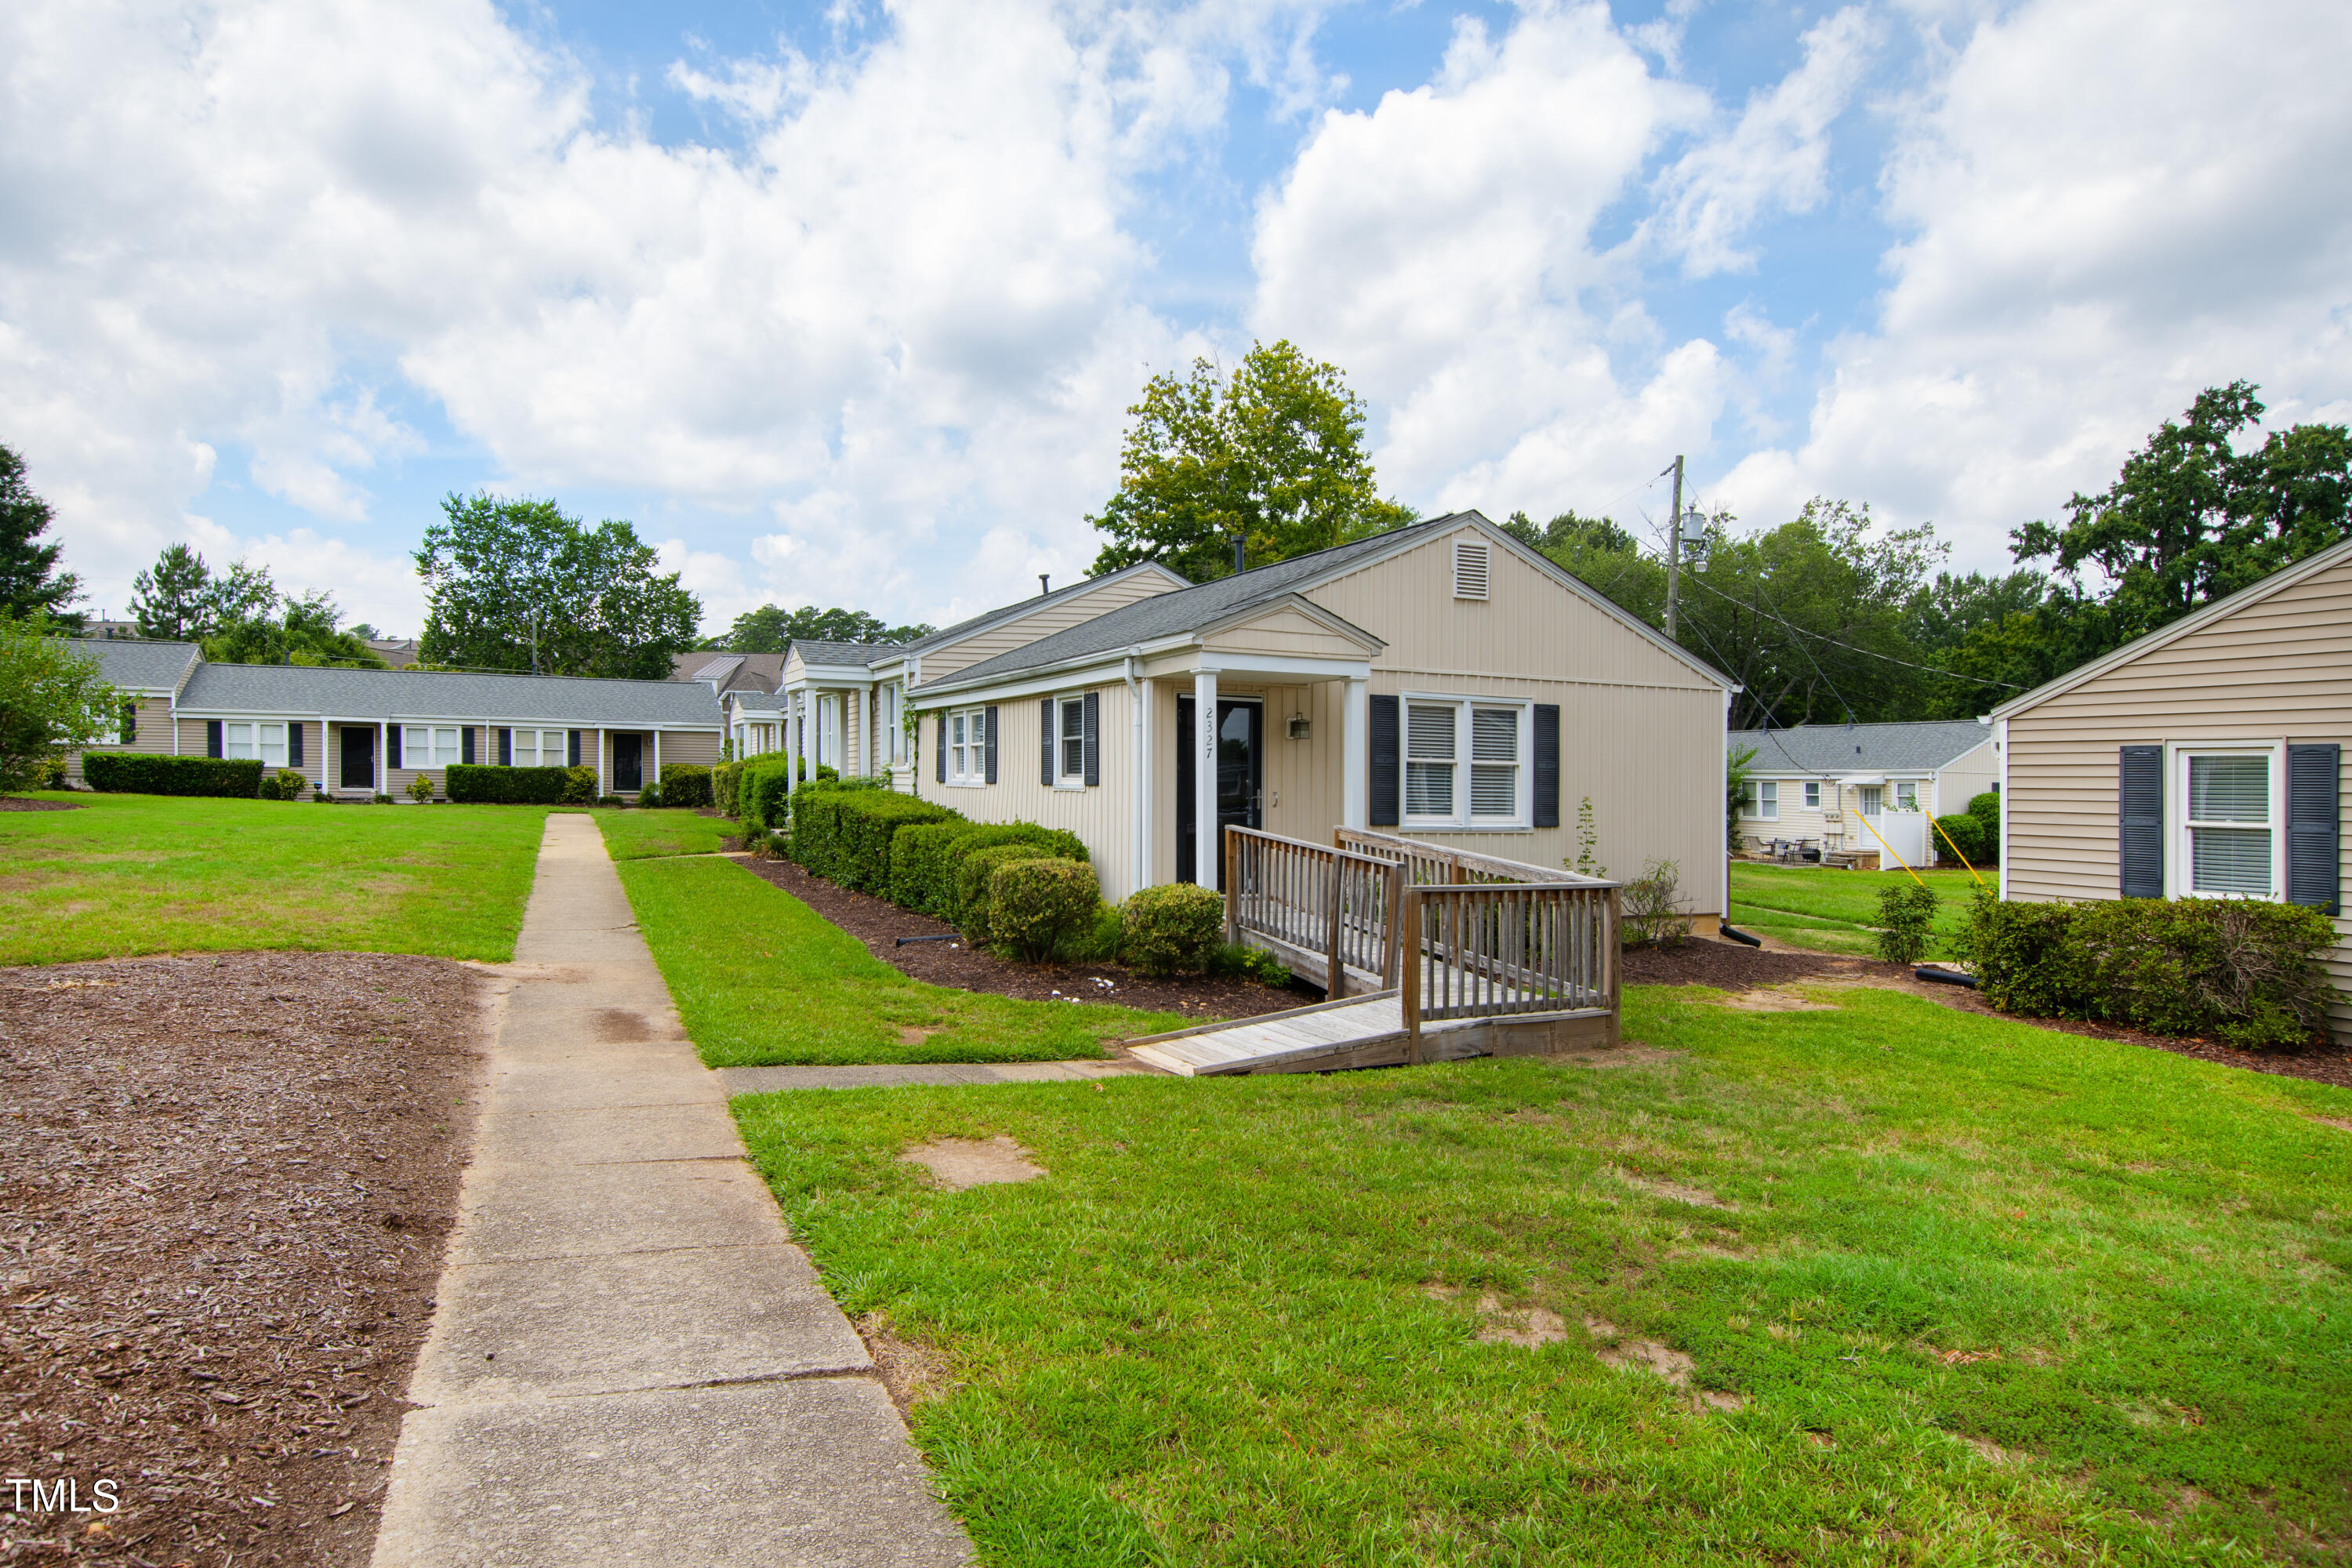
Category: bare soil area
[18,803]
[876,922]
[227,1182]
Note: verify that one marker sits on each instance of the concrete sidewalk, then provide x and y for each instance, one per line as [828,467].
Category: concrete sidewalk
[628,1362]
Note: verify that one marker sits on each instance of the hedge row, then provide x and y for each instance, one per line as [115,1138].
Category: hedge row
[2241,970]
[843,833]
[142,772]
[685,783]
[480,782]
[925,860]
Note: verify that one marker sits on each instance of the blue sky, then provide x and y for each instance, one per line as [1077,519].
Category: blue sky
[842,304]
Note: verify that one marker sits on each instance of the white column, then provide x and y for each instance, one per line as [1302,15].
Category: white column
[603,765]
[382,759]
[1207,853]
[657,757]
[1355,755]
[1147,836]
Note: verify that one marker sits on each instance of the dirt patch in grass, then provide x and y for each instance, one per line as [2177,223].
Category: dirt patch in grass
[18,803]
[227,1182]
[1776,1000]
[956,1163]
[1730,966]
[912,1370]
[877,923]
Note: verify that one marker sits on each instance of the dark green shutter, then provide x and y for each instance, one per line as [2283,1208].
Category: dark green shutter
[2313,819]
[1046,749]
[391,748]
[1185,785]
[1094,739]
[294,745]
[506,748]
[1547,779]
[212,738]
[1381,745]
[987,748]
[2139,794]
[466,744]
[572,748]
[940,762]
[129,722]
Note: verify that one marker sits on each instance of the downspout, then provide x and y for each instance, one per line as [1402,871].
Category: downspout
[1725,744]
[2001,743]
[1139,833]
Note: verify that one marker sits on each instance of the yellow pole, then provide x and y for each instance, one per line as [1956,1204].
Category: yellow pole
[1964,859]
[1888,848]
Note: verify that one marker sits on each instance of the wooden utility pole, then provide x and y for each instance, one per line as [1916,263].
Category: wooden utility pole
[1675,551]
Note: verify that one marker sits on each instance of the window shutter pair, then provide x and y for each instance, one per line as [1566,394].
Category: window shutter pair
[940,762]
[2313,815]
[212,738]
[1094,739]
[572,748]
[466,744]
[1045,741]
[987,754]
[392,746]
[1385,769]
[293,745]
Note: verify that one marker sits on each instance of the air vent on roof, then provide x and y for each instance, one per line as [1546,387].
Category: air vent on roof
[1469,569]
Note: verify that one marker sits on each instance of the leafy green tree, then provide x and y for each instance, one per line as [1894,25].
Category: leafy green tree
[1603,556]
[305,634]
[1273,455]
[768,628]
[30,583]
[52,698]
[2192,518]
[517,585]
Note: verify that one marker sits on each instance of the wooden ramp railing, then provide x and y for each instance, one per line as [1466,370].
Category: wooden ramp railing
[1454,933]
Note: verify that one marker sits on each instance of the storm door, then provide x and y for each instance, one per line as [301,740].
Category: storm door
[1241,774]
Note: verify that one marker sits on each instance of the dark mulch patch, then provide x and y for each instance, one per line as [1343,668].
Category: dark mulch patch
[18,803]
[225,1184]
[875,922]
[1732,967]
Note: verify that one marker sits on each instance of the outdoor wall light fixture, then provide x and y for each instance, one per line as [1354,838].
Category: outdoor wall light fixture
[1299,727]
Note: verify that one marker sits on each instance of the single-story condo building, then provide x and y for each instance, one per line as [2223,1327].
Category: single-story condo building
[1863,788]
[362,733]
[2204,760]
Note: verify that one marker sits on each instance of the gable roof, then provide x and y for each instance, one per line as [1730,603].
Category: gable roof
[138,666]
[1204,604]
[1019,607]
[839,655]
[1927,745]
[2203,615]
[380,694]
[729,671]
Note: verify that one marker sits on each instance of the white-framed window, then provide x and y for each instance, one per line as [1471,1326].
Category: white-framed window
[967,745]
[1764,799]
[253,742]
[427,745]
[828,730]
[2231,838]
[1907,794]
[1812,795]
[1465,763]
[539,748]
[894,722]
[1070,740]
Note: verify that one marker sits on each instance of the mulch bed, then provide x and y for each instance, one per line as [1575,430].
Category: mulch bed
[875,922]
[227,1182]
[1729,966]
[18,803]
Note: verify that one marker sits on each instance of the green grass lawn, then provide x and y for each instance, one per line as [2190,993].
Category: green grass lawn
[1831,911]
[760,978]
[134,873]
[1990,1294]
[642,834]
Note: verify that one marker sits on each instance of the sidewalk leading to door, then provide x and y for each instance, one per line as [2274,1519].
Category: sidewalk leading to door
[629,1361]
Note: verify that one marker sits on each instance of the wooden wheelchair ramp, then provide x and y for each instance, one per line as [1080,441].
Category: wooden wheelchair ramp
[1364,1032]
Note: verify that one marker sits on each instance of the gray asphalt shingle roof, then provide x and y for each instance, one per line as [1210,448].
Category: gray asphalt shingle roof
[1181,610]
[569,700]
[1862,747]
[139,666]
[987,618]
[860,654]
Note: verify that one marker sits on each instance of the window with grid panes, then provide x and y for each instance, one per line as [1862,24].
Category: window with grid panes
[1429,759]
[248,741]
[427,745]
[1072,726]
[967,745]
[1494,763]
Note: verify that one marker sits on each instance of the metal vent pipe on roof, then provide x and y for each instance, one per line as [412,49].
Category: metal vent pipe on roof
[1044,584]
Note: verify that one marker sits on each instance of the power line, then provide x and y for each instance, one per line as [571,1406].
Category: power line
[1868,652]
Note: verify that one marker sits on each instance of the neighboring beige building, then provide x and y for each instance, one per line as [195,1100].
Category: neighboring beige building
[1871,788]
[2203,760]
[1441,679]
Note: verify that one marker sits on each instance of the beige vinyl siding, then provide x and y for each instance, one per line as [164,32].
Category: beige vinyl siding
[1946,790]
[1285,633]
[1020,630]
[1099,815]
[151,732]
[2278,669]
[1967,777]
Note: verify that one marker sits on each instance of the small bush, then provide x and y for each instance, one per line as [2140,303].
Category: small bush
[926,861]
[975,887]
[139,772]
[1652,909]
[481,784]
[49,773]
[1964,833]
[1249,962]
[1174,927]
[579,786]
[1986,809]
[650,796]
[2242,971]
[727,788]
[420,788]
[1906,913]
[1097,942]
[684,784]
[283,785]
[1036,906]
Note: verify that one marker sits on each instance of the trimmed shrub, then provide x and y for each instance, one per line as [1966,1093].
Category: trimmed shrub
[1986,809]
[650,796]
[1176,926]
[727,788]
[766,783]
[843,832]
[1965,833]
[684,784]
[925,861]
[579,786]
[138,773]
[1905,915]
[2242,971]
[482,783]
[975,886]
[1036,906]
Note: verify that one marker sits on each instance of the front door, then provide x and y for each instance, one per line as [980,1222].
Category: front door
[1241,775]
[359,758]
[628,764]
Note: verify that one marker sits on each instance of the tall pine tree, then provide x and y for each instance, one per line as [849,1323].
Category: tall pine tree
[30,583]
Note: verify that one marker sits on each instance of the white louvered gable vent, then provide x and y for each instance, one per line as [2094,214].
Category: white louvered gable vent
[1470,568]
